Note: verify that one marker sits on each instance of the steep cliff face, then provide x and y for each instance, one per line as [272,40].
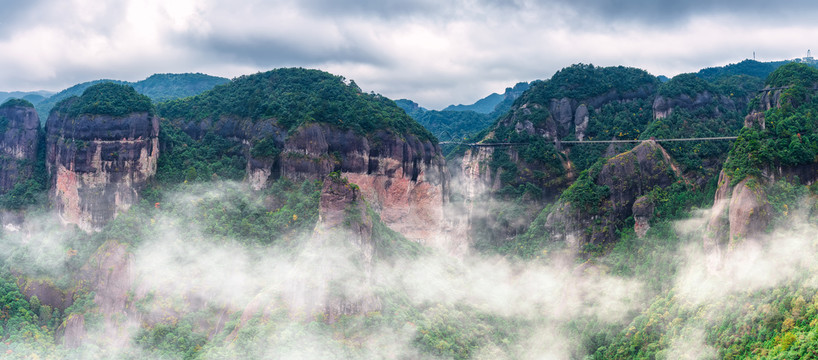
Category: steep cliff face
[628,177]
[341,254]
[345,224]
[304,124]
[99,163]
[405,179]
[567,115]
[740,212]
[108,274]
[19,125]
[663,106]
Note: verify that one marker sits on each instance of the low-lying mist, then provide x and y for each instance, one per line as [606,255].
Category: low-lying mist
[188,290]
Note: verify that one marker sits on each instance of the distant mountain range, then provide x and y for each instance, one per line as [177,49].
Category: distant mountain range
[32,96]
[459,121]
[158,87]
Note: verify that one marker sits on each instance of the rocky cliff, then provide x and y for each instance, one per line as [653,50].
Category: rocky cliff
[303,124]
[109,276]
[404,178]
[19,126]
[566,115]
[663,106]
[623,181]
[344,224]
[99,163]
[741,207]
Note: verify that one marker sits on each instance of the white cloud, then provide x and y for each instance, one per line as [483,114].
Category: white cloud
[434,53]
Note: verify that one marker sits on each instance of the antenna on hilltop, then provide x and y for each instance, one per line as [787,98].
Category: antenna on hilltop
[754,55]
[809,53]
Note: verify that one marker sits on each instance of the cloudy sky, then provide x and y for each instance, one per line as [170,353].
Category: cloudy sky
[434,52]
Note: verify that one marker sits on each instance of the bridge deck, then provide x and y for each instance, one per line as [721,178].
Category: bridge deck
[592,141]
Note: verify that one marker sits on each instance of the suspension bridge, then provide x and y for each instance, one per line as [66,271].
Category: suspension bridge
[576,142]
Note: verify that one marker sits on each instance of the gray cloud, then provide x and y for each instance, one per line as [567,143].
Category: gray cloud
[436,53]
[273,50]
[13,14]
[379,8]
[663,13]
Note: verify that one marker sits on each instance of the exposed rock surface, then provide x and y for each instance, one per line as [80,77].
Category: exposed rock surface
[403,178]
[664,106]
[73,331]
[642,213]
[749,211]
[739,212]
[343,224]
[567,114]
[628,176]
[18,144]
[742,211]
[770,98]
[109,275]
[46,291]
[340,258]
[99,163]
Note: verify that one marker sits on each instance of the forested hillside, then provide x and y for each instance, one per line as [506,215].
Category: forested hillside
[290,214]
[158,87]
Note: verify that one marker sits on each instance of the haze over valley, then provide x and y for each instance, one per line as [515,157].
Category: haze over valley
[408,180]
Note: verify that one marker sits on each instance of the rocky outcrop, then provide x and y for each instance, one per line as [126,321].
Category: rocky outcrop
[343,222]
[749,211]
[337,277]
[404,179]
[740,212]
[770,98]
[718,224]
[19,126]
[99,163]
[642,213]
[566,115]
[628,177]
[108,275]
[664,106]
[46,291]
[73,331]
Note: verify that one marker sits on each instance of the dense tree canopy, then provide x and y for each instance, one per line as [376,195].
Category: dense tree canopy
[16,102]
[585,81]
[294,97]
[107,99]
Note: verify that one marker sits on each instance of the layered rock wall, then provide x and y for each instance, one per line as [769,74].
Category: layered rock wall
[404,179]
[99,163]
[567,114]
[18,144]
[628,177]
[664,106]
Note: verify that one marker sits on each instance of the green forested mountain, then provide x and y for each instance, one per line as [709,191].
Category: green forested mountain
[459,122]
[482,106]
[158,87]
[568,248]
[747,67]
[294,97]
[31,96]
[163,87]
[106,98]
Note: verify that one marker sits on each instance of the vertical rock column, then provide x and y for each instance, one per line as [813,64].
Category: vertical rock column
[18,144]
[99,163]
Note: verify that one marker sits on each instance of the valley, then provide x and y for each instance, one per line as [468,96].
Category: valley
[291,214]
